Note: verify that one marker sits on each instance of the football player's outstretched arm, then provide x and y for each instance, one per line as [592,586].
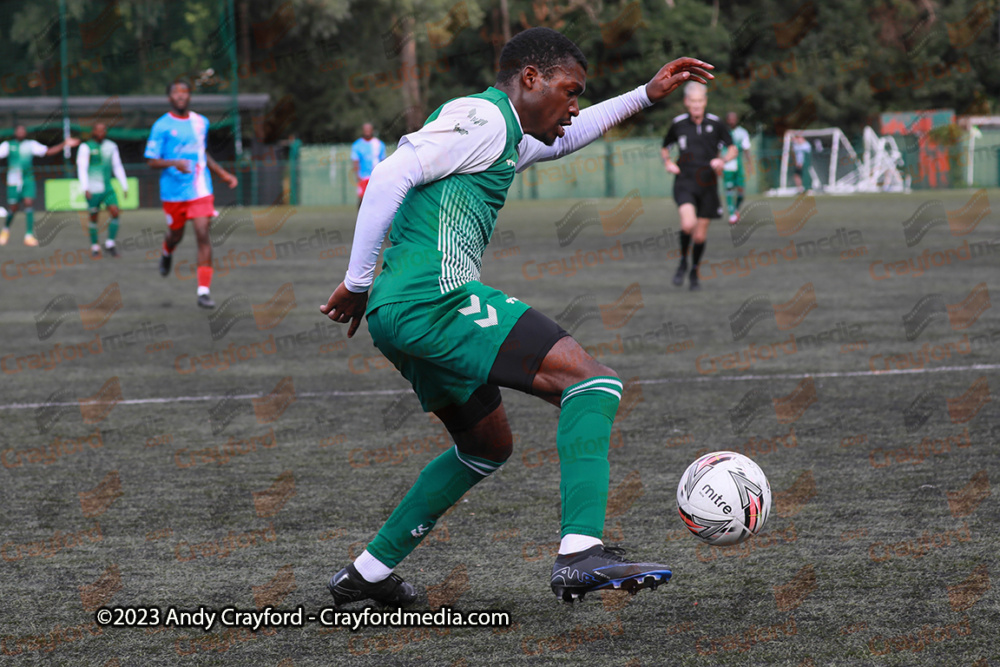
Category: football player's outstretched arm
[71,142]
[594,121]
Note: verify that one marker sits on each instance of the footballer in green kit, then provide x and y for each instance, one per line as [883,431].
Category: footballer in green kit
[96,161]
[21,153]
[457,340]
[734,169]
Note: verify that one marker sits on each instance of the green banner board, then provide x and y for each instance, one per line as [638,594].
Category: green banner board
[64,194]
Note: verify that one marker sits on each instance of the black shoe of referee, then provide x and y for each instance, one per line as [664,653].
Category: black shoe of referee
[681,270]
[695,285]
[349,586]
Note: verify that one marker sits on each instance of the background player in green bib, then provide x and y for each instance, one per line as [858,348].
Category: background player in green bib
[20,154]
[96,161]
[733,171]
[457,340]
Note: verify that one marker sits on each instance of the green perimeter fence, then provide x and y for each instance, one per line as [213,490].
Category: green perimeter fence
[322,175]
[611,168]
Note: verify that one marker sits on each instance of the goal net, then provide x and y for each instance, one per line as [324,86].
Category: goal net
[831,165]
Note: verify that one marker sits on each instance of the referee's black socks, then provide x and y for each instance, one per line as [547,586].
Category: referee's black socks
[685,243]
[696,252]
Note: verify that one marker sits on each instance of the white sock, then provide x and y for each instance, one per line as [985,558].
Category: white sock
[202,290]
[574,543]
[371,568]
[109,243]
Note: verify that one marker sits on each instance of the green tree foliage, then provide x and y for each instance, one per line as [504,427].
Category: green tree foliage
[330,65]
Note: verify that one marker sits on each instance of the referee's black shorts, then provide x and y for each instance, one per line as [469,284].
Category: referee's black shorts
[704,197]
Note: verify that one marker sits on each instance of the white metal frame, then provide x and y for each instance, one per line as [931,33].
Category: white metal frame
[876,171]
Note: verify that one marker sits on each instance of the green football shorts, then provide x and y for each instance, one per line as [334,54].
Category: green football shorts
[733,179]
[108,198]
[446,346]
[26,190]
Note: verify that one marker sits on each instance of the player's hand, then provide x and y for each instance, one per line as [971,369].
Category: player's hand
[674,73]
[86,194]
[183,166]
[346,306]
[73,142]
[230,180]
[673,168]
[717,164]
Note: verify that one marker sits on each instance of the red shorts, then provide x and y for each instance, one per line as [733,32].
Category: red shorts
[179,212]
[362,186]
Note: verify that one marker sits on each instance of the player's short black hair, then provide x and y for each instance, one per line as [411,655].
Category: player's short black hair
[178,82]
[544,48]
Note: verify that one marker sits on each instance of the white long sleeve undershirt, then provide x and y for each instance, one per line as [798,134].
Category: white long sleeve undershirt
[433,149]
[387,187]
[591,124]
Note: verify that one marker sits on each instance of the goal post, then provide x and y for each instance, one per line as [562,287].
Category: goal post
[835,168]
[973,126]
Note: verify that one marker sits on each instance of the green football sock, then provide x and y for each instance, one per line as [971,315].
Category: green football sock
[112,229]
[739,199]
[29,221]
[440,485]
[582,441]
[10,219]
[92,229]
[730,197]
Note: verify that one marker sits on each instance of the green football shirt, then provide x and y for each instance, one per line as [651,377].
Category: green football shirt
[441,230]
[20,157]
[99,161]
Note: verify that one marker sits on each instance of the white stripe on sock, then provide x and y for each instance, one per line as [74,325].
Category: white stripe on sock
[475,465]
[586,383]
[583,391]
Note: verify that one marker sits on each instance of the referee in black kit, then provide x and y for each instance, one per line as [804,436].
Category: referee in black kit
[701,137]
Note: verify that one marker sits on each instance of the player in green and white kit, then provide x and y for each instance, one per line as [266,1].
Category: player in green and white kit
[20,154]
[457,340]
[733,170]
[96,161]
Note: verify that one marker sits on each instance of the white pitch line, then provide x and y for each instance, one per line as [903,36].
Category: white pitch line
[390,392]
[831,374]
[196,399]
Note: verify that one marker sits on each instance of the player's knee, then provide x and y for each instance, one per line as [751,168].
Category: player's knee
[593,369]
[479,427]
[605,371]
[496,447]
[494,443]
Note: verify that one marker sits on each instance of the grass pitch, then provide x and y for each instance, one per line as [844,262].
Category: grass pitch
[168,457]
